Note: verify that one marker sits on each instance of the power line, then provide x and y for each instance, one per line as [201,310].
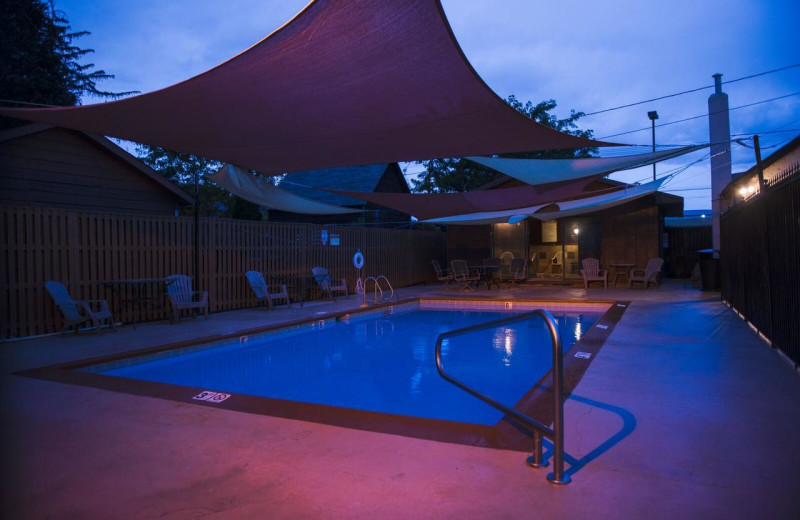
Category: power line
[698,117]
[691,90]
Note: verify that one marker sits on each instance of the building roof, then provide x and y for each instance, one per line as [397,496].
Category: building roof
[311,183]
[119,152]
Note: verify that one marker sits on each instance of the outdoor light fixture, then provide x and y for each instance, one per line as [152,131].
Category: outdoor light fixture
[576,231]
[653,116]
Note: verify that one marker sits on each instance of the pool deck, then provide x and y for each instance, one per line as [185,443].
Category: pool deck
[684,413]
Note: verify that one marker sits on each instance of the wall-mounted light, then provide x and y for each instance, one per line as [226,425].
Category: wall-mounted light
[576,231]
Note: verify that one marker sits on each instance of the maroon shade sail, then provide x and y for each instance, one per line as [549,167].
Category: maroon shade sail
[435,205]
[344,82]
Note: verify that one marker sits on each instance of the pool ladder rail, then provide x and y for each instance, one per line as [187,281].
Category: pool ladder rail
[556,434]
[378,291]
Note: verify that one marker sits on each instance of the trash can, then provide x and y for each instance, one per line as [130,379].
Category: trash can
[709,269]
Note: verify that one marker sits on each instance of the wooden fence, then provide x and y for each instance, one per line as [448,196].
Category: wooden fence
[82,249]
[760,263]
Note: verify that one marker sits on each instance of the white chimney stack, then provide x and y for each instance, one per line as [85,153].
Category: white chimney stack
[719,129]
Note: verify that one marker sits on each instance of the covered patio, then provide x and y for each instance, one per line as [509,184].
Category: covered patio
[695,421]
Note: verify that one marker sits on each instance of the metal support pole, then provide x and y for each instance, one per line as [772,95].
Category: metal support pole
[759,167]
[563,253]
[654,147]
[653,115]
[557,476]
[196,232]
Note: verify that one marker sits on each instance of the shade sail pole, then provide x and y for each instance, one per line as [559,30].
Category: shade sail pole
[196,231]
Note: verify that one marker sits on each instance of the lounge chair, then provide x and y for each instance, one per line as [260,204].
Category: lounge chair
[182,297]
[463,275]
[517,271]
[650,274]
[591,272]
[324,280]
[78,312]
[261,289]
[442,275]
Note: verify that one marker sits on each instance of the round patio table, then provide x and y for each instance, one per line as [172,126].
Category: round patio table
[621,269]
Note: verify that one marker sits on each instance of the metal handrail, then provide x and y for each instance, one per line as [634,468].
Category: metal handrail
[556,434]
[377,293]
[388,285]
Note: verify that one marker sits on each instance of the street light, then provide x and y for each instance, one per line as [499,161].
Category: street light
[653,116]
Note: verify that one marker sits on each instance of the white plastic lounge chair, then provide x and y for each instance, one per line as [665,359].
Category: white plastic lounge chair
[442,275]
[463,275]
[517,271]
[182,297]
[78,312]
[591,272]
[261,289]
[650,274]
[324,280]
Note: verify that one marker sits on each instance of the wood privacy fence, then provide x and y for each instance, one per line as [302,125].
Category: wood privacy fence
[82,249]
[760,263]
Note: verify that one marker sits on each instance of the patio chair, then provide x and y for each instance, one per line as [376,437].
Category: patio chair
[463,275]
[324,280]
[650,274]
[517,271]
[260,287]
[591,272]
[78,312]
[183,298]
[442,275]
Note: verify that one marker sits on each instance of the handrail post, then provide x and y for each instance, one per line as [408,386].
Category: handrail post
[557,432]
[536,460]
[557,476]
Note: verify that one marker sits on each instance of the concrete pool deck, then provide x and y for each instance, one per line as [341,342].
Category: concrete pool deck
[684,413]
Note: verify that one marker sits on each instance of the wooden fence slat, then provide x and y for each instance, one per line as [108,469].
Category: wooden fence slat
[81,249]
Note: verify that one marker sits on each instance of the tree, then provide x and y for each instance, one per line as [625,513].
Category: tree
[179,168]
[40,63]
[458,174]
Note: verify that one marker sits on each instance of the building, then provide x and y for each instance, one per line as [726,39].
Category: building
[385,178]
[630,233]
[46,166]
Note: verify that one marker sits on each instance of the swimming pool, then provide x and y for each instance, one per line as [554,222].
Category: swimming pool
[379,361]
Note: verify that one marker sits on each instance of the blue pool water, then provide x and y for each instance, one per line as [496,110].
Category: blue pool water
[384,363]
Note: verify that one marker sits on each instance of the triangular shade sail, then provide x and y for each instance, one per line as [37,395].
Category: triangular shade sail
[488,217]
[344,82]
[566,208]
[435,205]
[544,171]
[242,183]
[570,208]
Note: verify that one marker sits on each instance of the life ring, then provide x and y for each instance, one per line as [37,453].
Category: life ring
[358,259]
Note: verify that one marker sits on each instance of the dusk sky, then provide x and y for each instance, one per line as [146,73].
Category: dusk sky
[587,55]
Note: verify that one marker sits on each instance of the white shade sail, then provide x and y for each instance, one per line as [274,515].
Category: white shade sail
[546,171]
[261,191]
[570,208]
[566,208]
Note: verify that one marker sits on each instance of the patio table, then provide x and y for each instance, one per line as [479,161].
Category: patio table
[139,294]
[487,274]
[301,285]
[620,269]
